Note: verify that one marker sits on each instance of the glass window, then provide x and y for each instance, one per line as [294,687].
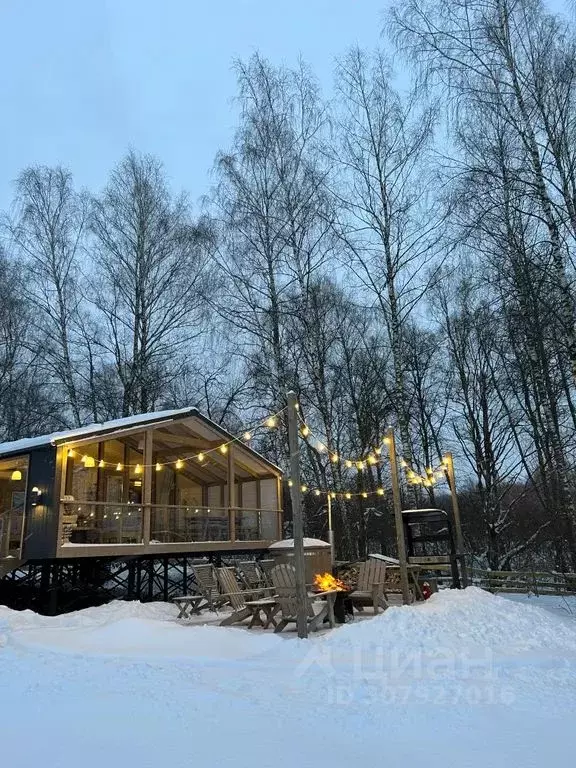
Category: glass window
[110,471]
[13,479]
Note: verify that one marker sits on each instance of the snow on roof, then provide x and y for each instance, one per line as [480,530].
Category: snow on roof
[289,544]
[27,443]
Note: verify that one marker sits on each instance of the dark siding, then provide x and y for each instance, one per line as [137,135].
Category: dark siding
[41,526]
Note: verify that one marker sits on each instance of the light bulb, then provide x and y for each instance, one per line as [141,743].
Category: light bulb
[223,448]
[179,464]
[305,431]
[200,457]
[158,467]
[380,491]
[138,469]
[271,422]
[334,458]
[119,467]
[247,436]
[304,488]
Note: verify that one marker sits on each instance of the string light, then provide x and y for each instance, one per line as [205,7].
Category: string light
[71,453]
[360,466]
[179,464]
[317,492]
[347,495]
[372,457]
[304,488]
[380,491]
[101,463]
[119,467]
[224,449]
[200,457]
[290,483]
[138,469]
[364,495]
[247,436]
[271,422]
[158,467]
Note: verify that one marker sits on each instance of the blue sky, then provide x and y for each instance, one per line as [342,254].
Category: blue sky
[83,80]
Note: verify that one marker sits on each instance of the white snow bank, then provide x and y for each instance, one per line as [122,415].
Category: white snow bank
[88,617]
[452,620]
[138,637]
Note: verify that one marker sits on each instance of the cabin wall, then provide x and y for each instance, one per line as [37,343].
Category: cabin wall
[41,522]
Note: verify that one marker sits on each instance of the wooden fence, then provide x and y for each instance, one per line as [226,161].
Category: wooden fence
[522,582]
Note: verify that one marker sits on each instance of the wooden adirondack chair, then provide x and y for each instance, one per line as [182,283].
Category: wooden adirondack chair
[243,607]
[284,580]
[266,568]
[207,584]
[371,584]
[252,576]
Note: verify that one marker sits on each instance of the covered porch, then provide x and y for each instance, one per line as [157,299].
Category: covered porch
[181,485]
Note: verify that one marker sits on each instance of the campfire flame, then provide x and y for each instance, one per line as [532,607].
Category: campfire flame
[326,582]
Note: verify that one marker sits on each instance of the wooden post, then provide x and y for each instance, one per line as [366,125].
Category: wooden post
[449,464]
[231,500]
[330,529]
[397,501]
[147,490]
[298,528]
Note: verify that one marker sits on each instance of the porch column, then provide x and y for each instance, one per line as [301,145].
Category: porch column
[231,501]
[147,490]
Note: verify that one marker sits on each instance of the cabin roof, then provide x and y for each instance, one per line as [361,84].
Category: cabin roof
[116,426]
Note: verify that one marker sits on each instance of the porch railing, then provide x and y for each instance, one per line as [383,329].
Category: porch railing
[94,522]
[100,522]
[177,523]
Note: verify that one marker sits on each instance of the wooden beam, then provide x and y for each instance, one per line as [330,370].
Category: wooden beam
[147,490]
[231,501]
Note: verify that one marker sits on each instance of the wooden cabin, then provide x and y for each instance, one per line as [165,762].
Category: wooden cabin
[153,484]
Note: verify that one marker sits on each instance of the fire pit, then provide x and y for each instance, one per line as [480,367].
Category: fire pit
[343,608]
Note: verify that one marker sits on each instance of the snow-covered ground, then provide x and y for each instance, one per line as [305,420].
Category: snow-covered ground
[466,679]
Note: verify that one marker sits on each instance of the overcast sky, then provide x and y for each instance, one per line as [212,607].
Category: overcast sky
[83,80]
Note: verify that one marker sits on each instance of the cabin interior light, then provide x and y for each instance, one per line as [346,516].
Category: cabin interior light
[16,475]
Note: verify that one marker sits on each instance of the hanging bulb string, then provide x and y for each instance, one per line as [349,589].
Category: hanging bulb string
[431,477]
[339,494]
[269,422]
[372,458]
